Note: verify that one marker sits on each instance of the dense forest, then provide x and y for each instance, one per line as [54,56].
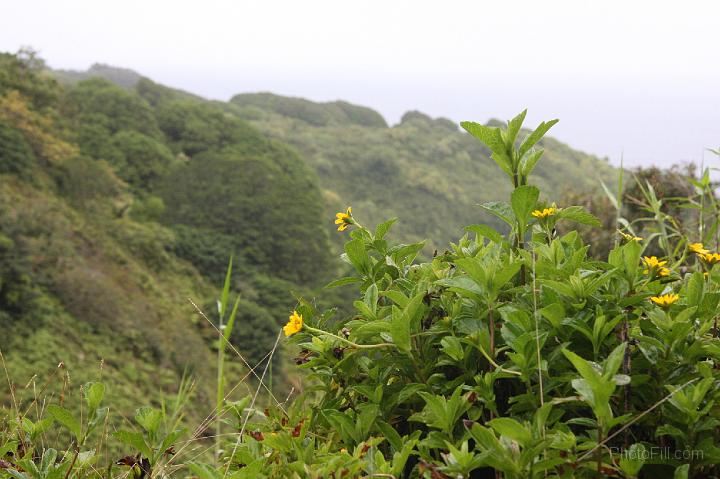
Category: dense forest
[120,199]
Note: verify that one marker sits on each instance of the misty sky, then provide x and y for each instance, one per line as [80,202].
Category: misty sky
[639,77]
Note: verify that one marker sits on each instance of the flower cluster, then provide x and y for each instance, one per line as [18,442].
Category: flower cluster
[655,266]
[704,254]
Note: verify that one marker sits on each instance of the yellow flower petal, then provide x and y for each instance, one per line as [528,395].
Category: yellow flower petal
[544,213]
[697,248]
[665,300]
[653,262]
[710,258]
[344,219]
[294,324]
[629,237]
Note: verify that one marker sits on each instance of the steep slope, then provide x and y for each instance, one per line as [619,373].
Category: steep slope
[423,170]
[116,206]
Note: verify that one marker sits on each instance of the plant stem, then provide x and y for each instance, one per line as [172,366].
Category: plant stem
[599,453]
[350,343]
[491,317]
[626,371]
[220,391]
[496,365]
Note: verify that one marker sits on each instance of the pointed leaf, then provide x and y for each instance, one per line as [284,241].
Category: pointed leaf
[65,417]
[523,201]
[535,136]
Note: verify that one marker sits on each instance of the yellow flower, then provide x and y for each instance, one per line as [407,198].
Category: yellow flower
[710,258]
[653,262]
[629,237]
[544,213]
[343,220]
[655,266]
[697,248]
[295,324]
[665,300]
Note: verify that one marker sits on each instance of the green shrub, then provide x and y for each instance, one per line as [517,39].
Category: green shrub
[515,353]
[140,160]
[16,155]
[98,101]
[253,197]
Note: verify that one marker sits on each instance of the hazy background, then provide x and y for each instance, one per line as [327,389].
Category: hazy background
[637,77]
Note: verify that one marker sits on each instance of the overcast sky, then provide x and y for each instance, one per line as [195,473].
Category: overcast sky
[639,77]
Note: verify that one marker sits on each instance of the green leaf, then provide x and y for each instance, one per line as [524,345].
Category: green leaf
[19,475]
[612,197]
[65,417]
[231,323]
[397,297]
[578,214]
[135,440]
[614,360]
[410,391]
[406,253]
[94,393]
[523,201]
[400,330]
[222,306]
[365,310]
[38,428]
[492,138]
[344,424]
[512,429]
[371,298]
[681,472]
[535,136]
[695,288]
[631,252]
[504,275]
[171,438]
[501,210]
[402,322]
[391,435]
[485,231]
[583,367]
[343,281]
[513,128]
[452,347]
[474,269]
[149,418]
[555,313]
[355,251]
[10,446]
[382,229]
[528,162]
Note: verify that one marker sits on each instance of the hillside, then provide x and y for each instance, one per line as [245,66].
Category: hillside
[424,171]
[116,206]
[121,198]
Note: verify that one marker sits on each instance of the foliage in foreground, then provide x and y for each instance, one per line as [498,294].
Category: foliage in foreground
[514,354]
[509,354]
